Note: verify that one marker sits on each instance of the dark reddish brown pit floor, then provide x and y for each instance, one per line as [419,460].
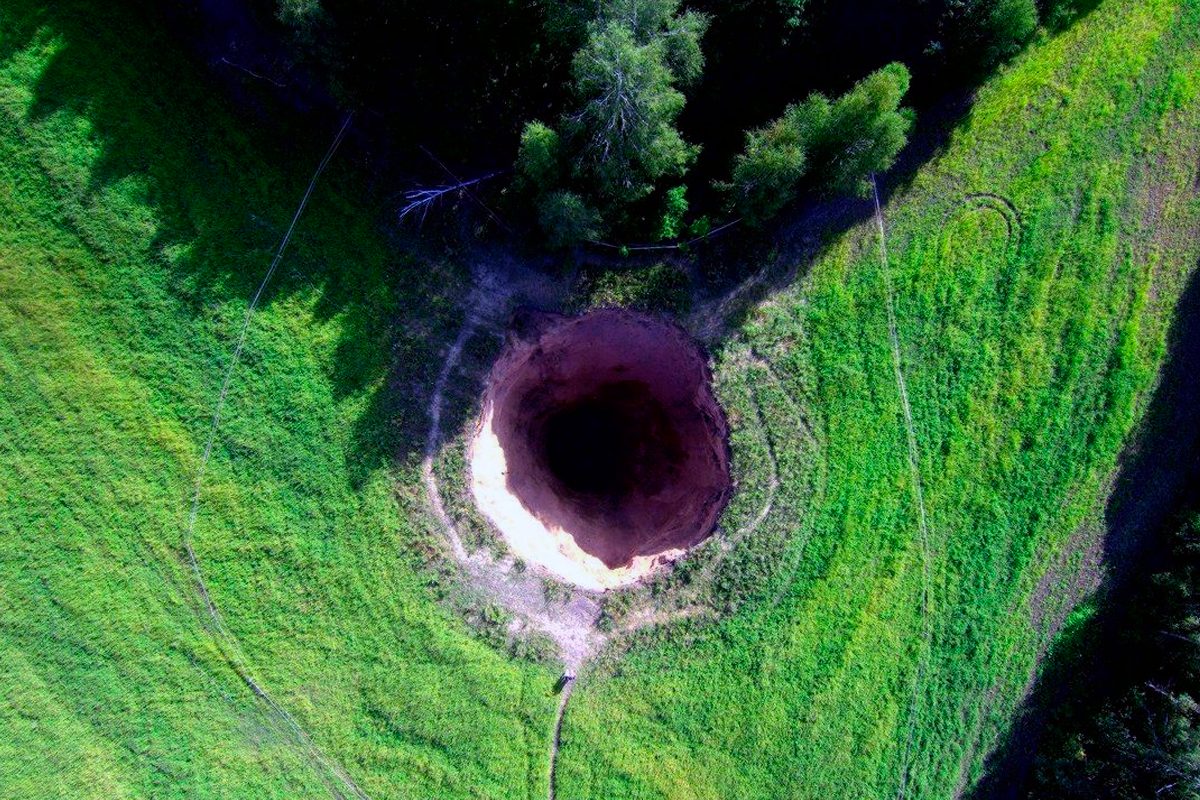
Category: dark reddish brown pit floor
[610,431]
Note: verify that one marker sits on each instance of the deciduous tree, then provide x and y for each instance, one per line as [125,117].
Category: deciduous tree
[766,173]
[859,133]
[835,144]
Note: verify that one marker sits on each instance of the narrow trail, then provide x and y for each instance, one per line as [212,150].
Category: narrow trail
[331,774]
[435,434]
[914,466]
[563,697]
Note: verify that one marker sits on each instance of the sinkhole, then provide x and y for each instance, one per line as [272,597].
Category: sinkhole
[601,453]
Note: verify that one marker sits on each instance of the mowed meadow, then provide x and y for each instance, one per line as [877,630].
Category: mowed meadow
[925,560]
[1033,266]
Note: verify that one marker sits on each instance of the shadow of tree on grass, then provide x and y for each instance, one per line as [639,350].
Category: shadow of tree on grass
[1159,475]
[223,188]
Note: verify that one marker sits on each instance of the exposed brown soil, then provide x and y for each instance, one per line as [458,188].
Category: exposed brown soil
[601,452]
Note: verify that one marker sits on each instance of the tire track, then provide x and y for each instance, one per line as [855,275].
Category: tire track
[774,481]
[805,433]
[914,466]
[564,696]
[990,201]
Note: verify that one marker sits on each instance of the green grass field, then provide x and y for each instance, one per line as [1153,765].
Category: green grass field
[137,217]
[1034,265]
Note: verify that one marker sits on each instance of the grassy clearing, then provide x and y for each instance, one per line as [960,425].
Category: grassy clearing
[136,217]
[1035,263]
[657,288]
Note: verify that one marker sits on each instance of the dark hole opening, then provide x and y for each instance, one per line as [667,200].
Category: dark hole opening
[613,442]
[610,433]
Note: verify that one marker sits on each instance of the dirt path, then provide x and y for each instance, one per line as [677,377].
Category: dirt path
[431,442]
[563,697]
[914,466]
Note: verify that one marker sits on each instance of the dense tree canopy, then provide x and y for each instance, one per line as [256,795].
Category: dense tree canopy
[837,143]
[606,81]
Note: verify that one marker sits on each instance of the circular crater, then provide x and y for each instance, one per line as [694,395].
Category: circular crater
[601,452]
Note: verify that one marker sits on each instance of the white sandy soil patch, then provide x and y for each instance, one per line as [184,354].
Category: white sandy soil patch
[535,542]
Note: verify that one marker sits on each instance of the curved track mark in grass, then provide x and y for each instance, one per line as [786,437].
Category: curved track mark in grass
[435,434]
[989,201]
[806,433]
[914,466]
[985,202]
[774,482]
[224,636]
[483,306]
[802,423]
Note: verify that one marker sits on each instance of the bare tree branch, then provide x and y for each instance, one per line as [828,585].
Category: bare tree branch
[424,198]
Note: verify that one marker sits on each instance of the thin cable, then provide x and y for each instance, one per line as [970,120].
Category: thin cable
[189,531]
[914,466]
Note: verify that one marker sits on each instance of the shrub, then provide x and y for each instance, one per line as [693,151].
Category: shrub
[537,161]
[300,14]
[675,207]
[661,287]
[1010,24]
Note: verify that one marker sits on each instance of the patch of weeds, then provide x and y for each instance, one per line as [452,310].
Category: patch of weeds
[452,470]
[661,287]
[555,592]
[490,622]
